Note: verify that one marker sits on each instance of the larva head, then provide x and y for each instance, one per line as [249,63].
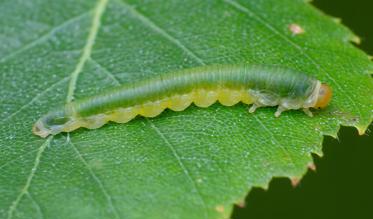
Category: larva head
[324,96]
[52,123]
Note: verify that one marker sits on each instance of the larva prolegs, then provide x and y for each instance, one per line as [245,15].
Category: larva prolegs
[180,102]
[204,98]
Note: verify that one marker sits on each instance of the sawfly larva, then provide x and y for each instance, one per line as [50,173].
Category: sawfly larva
[229,84]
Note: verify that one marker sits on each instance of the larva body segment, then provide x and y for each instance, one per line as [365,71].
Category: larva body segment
[203,86]
[204,98]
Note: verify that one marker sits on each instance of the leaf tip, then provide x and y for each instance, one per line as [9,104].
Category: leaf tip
[312,166]
[295,181]
[361,130]
[241,203]
[355,39]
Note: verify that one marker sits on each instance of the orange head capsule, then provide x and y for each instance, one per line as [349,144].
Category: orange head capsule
[324,96]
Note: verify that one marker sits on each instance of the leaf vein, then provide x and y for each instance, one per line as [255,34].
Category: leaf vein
[34,99]
[108,73]
[275,139]
[17,158]
[180,162]
[96,179]
[153,26]
[44,37]
[37,206]
[24,190]
[87,50]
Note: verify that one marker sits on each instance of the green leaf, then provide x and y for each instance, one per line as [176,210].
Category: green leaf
[190,164]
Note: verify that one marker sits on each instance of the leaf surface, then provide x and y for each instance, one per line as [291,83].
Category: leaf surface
[190,164]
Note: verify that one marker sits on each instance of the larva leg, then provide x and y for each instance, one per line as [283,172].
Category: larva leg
[308,112]
[254,107]
[279,110]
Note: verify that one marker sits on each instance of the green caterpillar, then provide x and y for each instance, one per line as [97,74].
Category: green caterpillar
[229,84]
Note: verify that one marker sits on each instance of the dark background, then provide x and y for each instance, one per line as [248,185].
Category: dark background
[342,186]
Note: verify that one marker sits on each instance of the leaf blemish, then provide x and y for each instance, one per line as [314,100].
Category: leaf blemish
[220,208]
[296,29]
[295,181]
[241,204]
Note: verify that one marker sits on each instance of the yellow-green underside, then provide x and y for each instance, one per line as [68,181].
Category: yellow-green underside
[200,97]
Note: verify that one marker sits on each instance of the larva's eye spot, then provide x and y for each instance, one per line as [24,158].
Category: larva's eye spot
[295,29]
[324,97]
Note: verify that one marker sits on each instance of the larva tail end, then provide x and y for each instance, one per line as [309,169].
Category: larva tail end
[40,130]
[50,124]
